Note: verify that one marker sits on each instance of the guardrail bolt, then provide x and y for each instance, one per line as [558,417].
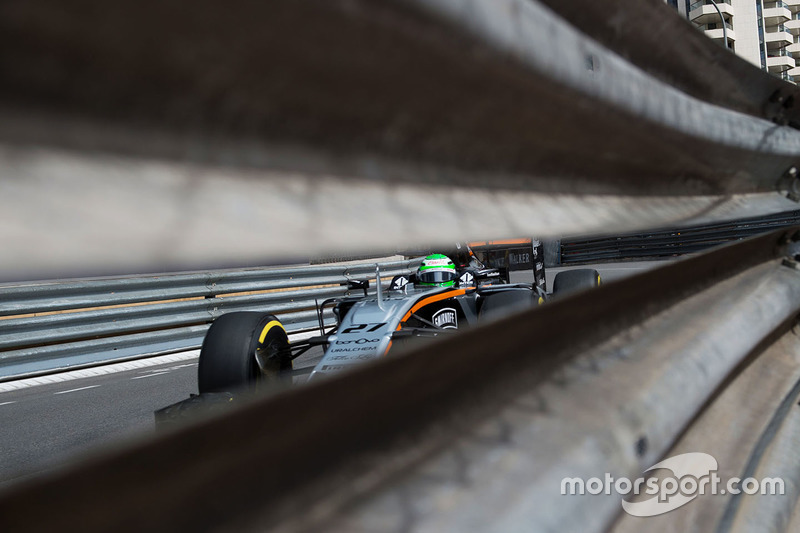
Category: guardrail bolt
[789,184]
[591,63]
[791,250]
[792,263]
[775,107]
[794,191]
[641,446]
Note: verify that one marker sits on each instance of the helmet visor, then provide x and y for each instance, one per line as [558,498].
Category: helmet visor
[436,276]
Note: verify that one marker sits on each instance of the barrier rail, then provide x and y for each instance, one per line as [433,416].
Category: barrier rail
[400,165]
[672,242]
[71,324]
[379,121]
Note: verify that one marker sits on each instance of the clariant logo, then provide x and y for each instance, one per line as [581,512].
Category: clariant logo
[693,475]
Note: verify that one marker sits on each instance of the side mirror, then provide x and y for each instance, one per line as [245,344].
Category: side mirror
[355,285]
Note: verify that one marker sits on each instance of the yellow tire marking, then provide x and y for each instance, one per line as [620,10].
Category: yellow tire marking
[271,324]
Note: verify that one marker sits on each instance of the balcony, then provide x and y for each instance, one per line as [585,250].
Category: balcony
[794,50]
[778,39]
[776,13]
[794,5]
[703,12]
[779,61]
[793,26]
[714,31]
[717,35]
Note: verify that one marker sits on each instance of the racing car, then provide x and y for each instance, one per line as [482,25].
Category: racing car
[248,350]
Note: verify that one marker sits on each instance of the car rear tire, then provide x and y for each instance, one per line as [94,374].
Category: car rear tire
[243,351]
[575,280]
[504,303]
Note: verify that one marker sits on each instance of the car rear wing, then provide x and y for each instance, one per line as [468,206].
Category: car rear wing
[513,255]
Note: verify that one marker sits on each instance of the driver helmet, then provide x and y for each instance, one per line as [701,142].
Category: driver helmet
[437,270]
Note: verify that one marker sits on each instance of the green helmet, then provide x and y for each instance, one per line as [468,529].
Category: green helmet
[437,270]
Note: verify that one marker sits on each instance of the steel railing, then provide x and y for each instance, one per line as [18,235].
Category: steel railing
[669,242]
[54,326]
[396,122]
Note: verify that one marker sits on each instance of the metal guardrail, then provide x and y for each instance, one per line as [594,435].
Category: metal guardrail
[672,242]
[70,324]
[442,119]
[277,181]
[54,326]
[693,64]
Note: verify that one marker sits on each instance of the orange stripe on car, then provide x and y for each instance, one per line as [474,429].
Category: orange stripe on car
[429,300]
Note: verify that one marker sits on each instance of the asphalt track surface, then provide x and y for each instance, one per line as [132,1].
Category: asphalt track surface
[54,421]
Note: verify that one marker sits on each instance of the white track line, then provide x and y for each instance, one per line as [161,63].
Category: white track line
[100,370]
[76,390]
[150,375]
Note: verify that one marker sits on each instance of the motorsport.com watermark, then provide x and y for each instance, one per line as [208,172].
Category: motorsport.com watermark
[694,474]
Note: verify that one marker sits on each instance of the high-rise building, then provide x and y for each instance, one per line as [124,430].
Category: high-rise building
[766,33]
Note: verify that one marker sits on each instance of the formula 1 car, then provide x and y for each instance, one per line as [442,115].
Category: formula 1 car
[247,350]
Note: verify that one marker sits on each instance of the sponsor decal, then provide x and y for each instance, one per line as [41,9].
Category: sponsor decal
[353,357]
[357,349]
[359,341]
[466,279]
[519,258]
[446,318]
[399,282]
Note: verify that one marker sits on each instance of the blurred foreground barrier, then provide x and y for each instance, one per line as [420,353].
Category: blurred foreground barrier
[690,63]
[61,325]
[136,135]
[323,127]
[478,431]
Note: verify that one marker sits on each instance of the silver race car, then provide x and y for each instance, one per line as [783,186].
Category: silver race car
[246,350]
